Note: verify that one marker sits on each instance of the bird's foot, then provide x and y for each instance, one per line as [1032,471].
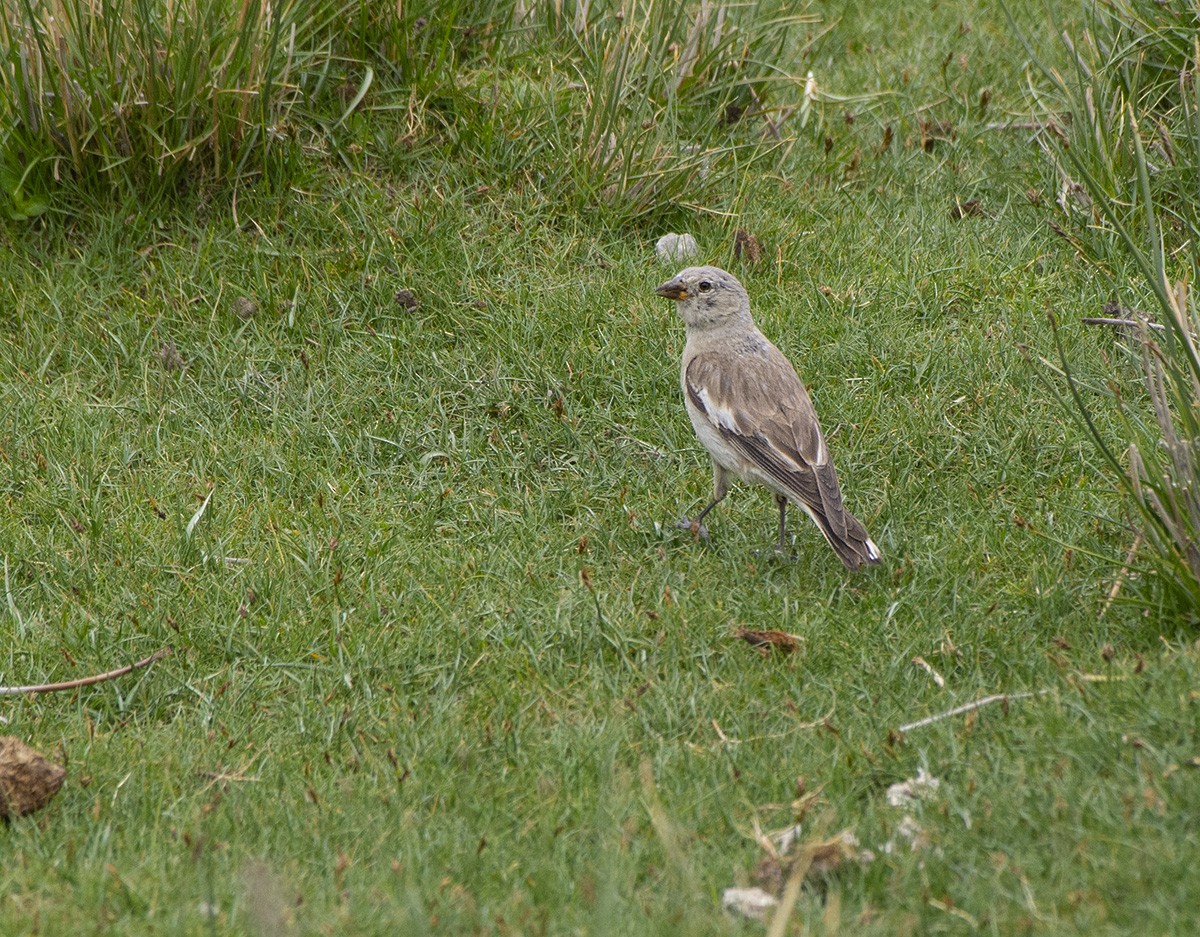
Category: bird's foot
[698,530]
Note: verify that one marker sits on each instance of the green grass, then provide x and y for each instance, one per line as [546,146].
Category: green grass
[397,704]
[1130,165]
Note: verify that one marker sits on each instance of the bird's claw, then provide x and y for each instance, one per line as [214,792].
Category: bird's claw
[698,530]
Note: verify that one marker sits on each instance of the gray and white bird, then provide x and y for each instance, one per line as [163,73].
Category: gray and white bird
[751,411]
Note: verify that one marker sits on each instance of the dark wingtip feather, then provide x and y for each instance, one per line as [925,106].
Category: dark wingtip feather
[856,548]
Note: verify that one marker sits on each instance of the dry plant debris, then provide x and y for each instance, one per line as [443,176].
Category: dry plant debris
[769,640]
[822,857]
[960,210]
[406,299]
[914,790]
[790,862]
[905,795]
[747,247]
[169,357]
[934,132]
[94,678]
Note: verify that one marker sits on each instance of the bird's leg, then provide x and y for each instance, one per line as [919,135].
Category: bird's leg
[720,490]
[782,501]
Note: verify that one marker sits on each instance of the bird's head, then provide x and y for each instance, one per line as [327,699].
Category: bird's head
[708,297]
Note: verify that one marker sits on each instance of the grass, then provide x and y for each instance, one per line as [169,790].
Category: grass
[626,111]
[137,96]
[1127,168]
[398,704]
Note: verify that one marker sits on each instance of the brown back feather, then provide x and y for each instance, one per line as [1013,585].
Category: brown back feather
[774,417]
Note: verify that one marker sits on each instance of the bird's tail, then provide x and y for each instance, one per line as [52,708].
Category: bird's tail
[854,547]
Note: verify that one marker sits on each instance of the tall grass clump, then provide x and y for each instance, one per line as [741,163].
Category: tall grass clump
[627,108]
[1127,149]
[638,108]
[138,94]
[420,47]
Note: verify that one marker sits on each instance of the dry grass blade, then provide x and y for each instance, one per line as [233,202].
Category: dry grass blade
[791,894]
[1004,698]
[928,668]
[1121,323]
[1116,586]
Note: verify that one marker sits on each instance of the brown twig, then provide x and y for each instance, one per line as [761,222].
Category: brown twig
[84,681]
[970,707]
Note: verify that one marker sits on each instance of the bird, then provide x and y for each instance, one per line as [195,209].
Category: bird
[753,414]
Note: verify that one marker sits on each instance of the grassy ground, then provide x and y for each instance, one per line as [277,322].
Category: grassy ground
[442,665]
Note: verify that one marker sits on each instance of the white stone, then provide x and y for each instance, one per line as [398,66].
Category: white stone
[676,248]
[748,902]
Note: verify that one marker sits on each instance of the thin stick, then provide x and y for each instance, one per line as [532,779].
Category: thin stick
[969,707]
[84,681]
[1129,323]
[1116,586]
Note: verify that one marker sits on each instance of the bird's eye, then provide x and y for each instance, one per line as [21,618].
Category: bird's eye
[705,286]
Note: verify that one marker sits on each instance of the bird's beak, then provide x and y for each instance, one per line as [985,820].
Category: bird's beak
[672,289]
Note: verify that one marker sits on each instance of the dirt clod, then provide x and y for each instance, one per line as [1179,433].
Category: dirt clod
[970,208]
[28,781]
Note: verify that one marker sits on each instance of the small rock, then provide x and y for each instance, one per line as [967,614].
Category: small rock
[244,308]
[748,902]
[676,248]
[28,781]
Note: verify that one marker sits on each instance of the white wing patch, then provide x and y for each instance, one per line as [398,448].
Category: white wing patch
[721,415]
[724,419]
[822,452]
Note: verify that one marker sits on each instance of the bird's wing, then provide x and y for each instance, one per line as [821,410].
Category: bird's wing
[758,404]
